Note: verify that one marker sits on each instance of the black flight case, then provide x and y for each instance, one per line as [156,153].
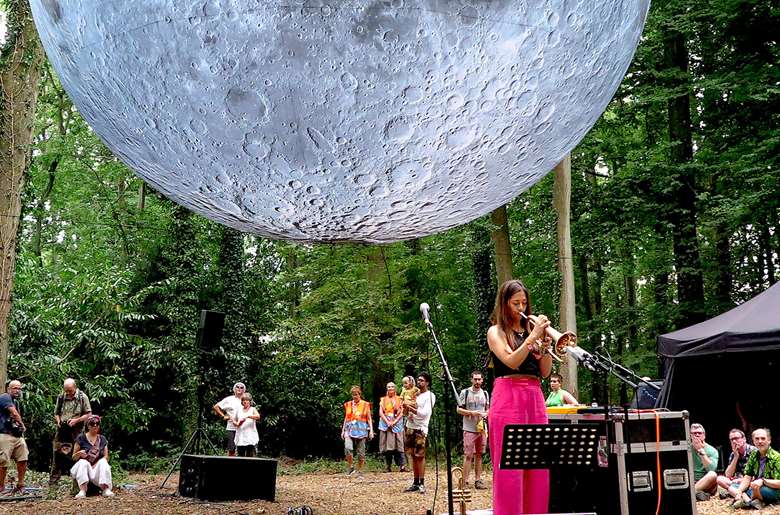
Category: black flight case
[644,462]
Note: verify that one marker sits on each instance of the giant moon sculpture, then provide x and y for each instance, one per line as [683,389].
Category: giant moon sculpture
[341,120]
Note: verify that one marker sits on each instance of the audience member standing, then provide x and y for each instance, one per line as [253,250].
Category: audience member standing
[71,410]
[227,409]
[391,428]
[417,431]
[356,429]
[473,404]
[12,444]
[246,427]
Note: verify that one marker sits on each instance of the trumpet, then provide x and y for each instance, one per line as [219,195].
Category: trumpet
[560,340]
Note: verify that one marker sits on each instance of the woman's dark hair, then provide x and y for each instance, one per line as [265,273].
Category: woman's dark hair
[426,376]
[559,377]
[503,316]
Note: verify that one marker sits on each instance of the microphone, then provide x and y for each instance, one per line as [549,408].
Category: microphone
[424,308]
[582,356]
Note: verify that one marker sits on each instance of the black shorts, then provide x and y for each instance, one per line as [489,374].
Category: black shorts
[231,441]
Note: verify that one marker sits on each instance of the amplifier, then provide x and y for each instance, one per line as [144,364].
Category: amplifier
[627,478]
[227,478]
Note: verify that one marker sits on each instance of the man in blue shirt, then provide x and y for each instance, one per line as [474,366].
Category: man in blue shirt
[12,444]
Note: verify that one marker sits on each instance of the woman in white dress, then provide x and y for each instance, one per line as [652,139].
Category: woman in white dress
[246,427]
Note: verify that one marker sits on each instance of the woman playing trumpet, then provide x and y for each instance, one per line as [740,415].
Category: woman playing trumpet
[520,359]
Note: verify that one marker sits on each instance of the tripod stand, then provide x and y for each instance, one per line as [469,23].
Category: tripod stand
[195,442]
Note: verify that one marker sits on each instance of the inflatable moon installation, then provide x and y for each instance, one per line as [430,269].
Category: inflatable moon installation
[338,120]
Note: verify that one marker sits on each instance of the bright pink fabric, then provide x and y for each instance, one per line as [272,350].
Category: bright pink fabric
[516,400]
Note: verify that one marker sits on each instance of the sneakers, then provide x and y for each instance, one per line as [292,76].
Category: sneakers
[739,504]
[351,471]
[108,493]
[403,469]
[421,489]
[413,488]
[724,494]
[702,496]
[480,485]
[81,494]
[756,504]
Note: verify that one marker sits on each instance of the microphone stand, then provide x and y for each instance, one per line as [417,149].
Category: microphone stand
[447,406]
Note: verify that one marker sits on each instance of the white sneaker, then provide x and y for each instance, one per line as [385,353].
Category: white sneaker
[108,493]
[81,494]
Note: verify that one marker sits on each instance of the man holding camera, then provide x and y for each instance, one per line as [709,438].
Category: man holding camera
[70,413]
[12,444]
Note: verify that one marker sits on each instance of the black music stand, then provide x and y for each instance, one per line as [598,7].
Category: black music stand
[544,446]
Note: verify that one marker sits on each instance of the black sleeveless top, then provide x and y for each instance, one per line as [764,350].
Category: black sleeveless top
[529,367]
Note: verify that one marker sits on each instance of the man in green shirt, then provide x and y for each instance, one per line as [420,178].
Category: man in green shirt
[705,459]
[761,483]
[70,412]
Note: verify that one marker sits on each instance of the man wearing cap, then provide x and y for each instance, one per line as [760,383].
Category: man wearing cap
[12,444]
[70,412]
[227,409]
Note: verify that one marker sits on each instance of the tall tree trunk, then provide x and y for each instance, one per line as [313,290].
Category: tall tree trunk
[690,287]
[20,72]
[568,318]
[40,210]
[503,248]
[232,301]
[723,280]
[142,196]
[765,248]
[484,288]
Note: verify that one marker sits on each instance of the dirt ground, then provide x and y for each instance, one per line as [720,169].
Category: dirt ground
[327,493]
[373,493]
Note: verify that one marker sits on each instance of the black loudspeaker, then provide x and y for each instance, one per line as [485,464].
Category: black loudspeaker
[210,330]
[224,478]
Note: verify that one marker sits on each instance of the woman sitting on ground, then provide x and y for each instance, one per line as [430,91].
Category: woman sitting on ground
[90,452]
[558,396]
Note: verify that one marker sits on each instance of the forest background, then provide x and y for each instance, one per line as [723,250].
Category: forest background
[674,219]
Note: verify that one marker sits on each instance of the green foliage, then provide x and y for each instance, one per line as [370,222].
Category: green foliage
[111,277]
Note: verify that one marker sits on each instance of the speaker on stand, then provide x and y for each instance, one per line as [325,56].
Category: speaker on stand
[207,340]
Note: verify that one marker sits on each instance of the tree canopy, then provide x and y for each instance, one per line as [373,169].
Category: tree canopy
[674,218]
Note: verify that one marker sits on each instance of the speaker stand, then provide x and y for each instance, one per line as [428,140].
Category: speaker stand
[195,442]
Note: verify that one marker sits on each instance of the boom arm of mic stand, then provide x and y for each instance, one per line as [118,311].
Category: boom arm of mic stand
[607,365]
[445,367]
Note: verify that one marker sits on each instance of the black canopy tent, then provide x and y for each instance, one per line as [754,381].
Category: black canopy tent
[726,371]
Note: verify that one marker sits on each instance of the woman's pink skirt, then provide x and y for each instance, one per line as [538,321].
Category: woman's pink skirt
[516,400]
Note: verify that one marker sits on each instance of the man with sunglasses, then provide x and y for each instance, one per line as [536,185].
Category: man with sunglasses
[12,444]
[705,460]
[227,408]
